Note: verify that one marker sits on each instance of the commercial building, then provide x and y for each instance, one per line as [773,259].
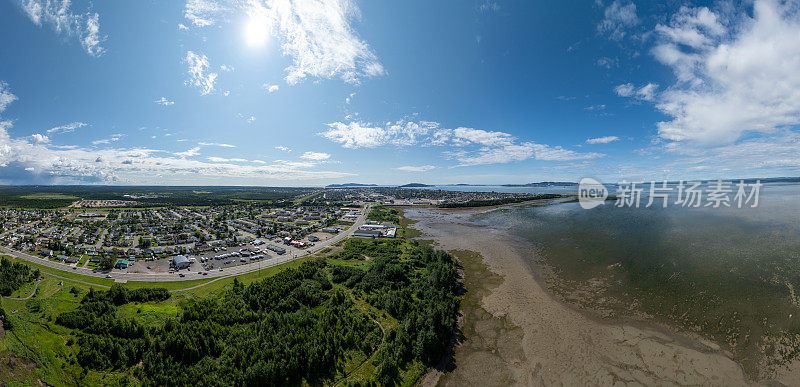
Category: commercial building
[122,264]
[277,249]
[367,233]
[180,262]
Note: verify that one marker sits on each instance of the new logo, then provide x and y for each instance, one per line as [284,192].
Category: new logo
[591,193]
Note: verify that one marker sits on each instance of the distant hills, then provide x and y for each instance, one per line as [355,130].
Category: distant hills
[543,184]
[348,185]
[551,183]
[414,185]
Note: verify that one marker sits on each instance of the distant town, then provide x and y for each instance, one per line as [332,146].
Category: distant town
[135,237]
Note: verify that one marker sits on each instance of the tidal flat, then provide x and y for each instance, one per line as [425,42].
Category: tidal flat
[650,295]
[726,274]
[554,342]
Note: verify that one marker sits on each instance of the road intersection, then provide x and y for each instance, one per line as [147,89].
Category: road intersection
[230,271]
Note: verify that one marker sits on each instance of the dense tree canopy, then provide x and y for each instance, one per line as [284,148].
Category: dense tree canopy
[300,325]
[14,275]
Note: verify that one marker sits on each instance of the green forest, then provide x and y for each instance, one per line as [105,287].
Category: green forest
[14,275]
[383,214]
[382,317]
[50,197]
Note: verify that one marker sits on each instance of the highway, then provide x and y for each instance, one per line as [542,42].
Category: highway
[229,271]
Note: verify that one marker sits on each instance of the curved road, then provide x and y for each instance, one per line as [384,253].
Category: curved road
[231,271]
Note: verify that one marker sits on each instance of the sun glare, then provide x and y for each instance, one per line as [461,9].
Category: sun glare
[255,31]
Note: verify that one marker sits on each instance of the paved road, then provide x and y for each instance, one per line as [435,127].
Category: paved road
[235,270]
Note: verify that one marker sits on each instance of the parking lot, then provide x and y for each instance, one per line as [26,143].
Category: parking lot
[219,259]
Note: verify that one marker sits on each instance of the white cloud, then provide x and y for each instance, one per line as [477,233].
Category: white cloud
[204,13]
[66,128]
[602,140]
[31,159]
[413,168]
[271,88]
[607,62]
[315,156]
[317,35]
[358,134]
[199,76]
[58,15]
[489,6]
[355,134]
[618,18]
[226,68]
[39,139]
[319,38]
[283,148]
[770,156]
[182,27]
[109,140]
[644,93]
[468,146]
[625,90]
[6,97]
[482,137]
[189,152]
[647,92]
[250,119]
[164,102]
[734,73]
[91,35]
[519,152]
[224,160]
[216,144]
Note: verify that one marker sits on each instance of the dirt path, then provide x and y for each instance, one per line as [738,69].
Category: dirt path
[35,287]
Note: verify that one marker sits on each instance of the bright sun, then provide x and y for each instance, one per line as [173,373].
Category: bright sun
[255,31]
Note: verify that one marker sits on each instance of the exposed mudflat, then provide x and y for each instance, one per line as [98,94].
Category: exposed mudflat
[518,333]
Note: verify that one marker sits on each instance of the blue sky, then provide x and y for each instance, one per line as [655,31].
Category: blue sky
[312,92]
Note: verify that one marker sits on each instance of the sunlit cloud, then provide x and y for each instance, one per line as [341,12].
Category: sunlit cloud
[58,14]
[199,76]
[468,146]
[412,168]
[163,101]
[317,35]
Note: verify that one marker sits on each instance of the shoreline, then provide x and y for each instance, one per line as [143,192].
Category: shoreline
[559,343]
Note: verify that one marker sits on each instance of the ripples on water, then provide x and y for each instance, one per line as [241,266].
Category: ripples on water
[727,273]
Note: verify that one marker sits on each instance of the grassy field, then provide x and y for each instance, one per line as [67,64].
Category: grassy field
[35,196]
[37,350]
[37,340]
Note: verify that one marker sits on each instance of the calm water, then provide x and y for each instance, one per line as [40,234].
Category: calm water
[497,188]
[730,274]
